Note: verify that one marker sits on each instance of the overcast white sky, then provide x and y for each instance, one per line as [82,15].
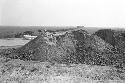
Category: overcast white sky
[92,13]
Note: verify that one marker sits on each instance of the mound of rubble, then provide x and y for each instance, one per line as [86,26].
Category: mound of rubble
[117,39]
[71,46]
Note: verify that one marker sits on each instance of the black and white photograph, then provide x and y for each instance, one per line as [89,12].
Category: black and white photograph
[62,41]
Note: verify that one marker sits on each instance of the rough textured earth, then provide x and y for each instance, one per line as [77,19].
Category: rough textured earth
[117,40]
[71,46]
[114,37]
[18,71]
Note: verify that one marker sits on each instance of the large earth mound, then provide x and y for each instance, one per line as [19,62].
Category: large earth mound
[117,39]
[71,46]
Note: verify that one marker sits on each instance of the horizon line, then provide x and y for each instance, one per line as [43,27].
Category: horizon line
[45,26]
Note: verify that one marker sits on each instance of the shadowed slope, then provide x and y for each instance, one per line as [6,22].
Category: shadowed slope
[114,37]
[117,40]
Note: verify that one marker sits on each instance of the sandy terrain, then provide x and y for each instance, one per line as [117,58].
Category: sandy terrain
[13,42]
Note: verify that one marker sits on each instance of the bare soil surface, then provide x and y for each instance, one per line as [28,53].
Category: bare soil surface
[18,71]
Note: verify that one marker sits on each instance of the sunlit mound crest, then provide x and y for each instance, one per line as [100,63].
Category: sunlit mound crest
[71,46]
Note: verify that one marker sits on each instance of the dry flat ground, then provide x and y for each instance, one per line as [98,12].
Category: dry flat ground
[18,71]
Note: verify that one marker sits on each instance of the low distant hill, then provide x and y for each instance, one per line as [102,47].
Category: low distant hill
[19,31]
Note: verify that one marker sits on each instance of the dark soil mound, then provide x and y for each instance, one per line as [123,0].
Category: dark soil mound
[107,35]
[115,38]
[71,46]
